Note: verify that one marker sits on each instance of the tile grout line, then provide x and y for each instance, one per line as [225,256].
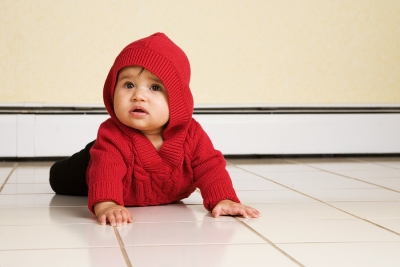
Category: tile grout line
[269,242]
[8,176]
[351,178]
[323,202]
[122,247]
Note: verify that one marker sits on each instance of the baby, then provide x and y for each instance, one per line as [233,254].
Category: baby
[151,151]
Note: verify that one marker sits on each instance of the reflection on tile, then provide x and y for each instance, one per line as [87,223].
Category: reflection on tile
[345,254]
[360,174]
[174,213]
[233,169]
[265,161]
[23,189]
[353,194]
[28,178]
[7,164]
[33,168]
[370,209]
[101,257]
[45,215]
[278,176]
[392,183]
[42,200]
[395,165]
[260,184]
[335,165]
[393,162]
[284,196]
[56,236]
[378,159]
[301,231]
[326,183]
[208,255]
[287,167]
[244,176]
[298,211]
[186,233]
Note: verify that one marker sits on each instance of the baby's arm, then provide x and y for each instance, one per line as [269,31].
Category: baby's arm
[111,212]
[229,207]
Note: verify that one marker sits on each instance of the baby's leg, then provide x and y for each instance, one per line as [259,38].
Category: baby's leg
[68,176]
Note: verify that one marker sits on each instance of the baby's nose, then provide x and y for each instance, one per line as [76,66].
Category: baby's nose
[139,94]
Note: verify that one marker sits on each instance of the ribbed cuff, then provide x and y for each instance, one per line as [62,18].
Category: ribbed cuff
[105,191]
[214,194]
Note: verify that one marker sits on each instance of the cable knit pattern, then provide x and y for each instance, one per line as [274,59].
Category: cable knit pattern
[126,168]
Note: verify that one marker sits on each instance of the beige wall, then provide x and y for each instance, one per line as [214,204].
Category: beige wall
[242,52]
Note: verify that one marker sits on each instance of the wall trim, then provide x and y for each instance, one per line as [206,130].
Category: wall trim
[211,109]
[37,132]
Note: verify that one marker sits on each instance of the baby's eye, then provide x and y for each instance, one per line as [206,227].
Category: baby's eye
[155,88]
[129,85]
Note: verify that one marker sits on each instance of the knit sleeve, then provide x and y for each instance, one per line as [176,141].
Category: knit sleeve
[209,171]
[107,167]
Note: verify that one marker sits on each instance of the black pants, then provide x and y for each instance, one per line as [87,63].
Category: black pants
[68,176]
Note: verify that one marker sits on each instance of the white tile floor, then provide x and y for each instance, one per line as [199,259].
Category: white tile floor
[315,212]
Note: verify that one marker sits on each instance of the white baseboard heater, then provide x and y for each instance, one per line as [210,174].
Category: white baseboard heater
[53,131]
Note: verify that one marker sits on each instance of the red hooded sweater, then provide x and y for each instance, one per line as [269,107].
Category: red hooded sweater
[126,168]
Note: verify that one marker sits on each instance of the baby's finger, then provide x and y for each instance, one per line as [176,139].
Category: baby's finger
[118,217]
[111,219]
[130,217]
[102,219]
[216,212]
[253,212]
[125,217]
[242,211]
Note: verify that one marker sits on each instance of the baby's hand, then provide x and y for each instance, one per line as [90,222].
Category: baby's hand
[113,213]
[228,207]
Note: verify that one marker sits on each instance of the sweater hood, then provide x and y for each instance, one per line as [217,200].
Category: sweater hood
[158,54]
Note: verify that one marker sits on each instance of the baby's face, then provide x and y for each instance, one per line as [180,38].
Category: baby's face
[141,100]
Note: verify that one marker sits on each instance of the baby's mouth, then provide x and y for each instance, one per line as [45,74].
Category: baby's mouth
[138,111]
